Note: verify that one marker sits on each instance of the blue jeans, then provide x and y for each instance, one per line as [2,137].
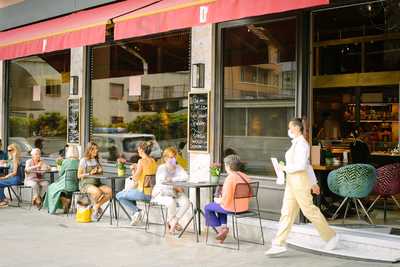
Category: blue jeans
[215,214]
[14,180]
[128,199]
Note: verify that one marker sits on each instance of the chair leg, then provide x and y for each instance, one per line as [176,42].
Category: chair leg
[233,228]
[147,224]
[366,213]
[384,209]
[395,201]
[9,193]
[358,213]
[237,233]
[345,211]
[261,229]
[337,211]
[373,203]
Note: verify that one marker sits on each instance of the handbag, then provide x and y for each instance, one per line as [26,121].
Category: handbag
[130,183]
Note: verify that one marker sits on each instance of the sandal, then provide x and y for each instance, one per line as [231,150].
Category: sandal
[172,228]
[178,227]
[222,234]
[3,204]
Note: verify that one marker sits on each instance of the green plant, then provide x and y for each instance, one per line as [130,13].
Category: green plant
[215,169]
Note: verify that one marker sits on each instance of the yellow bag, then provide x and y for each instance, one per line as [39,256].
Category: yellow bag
[83,214]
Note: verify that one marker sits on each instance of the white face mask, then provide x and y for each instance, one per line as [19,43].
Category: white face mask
[290,134]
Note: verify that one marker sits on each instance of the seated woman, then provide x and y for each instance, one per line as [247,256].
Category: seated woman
[216,212]
[168,195]
[145,166]
[13,176]
[54,198]
[34,178]
[90,165]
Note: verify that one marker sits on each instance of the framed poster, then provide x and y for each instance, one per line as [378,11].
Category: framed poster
[73,121]
[198,126]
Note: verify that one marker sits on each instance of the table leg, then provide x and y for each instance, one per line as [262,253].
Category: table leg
[104,211]
[114,198]
[198,210]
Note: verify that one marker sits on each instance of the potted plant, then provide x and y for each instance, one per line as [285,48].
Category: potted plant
[215,172]
[59,162]
[121,168]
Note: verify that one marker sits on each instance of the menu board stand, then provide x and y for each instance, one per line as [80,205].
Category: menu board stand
[73,120]
[199,113]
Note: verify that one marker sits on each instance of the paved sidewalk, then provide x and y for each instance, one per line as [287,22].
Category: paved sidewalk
[34,238]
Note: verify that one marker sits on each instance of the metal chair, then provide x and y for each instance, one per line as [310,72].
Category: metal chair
[387,185]
[71,187]
[243,191]
[353,182]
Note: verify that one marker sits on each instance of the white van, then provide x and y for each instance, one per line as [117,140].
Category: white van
[111,145]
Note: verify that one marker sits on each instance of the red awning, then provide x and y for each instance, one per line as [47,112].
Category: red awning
[77,29]
[169,15]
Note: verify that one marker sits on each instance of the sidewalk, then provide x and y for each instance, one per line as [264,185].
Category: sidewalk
[34,238]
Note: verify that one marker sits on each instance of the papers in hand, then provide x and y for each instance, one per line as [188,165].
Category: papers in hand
[279,174]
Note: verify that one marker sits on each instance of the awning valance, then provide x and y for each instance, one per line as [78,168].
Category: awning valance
[85,27]
[167,15]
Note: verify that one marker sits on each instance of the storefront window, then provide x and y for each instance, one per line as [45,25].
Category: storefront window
[259,91]
[38,90]
[356,79]
[139,93]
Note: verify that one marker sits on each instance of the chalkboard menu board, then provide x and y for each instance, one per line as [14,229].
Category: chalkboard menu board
[73,121]
[198,122]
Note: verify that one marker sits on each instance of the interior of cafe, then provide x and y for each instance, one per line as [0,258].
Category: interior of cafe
[355,103]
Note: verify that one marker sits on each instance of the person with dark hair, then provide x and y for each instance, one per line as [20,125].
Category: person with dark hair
[299,184]
[90,165]
[216,213]
[3,155]
[359,150]
[145,166]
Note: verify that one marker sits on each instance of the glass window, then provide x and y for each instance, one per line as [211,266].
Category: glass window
[39,89]
[259,91]
[139,93]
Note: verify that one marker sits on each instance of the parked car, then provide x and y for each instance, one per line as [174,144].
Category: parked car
[111,145]
[23,145]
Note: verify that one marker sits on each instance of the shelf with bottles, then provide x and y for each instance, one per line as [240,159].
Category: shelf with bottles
[373,112]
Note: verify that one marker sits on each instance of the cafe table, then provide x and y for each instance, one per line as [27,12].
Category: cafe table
[52,172]
[112,204]
[198,212]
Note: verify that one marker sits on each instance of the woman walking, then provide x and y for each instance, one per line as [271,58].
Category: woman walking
[299,185]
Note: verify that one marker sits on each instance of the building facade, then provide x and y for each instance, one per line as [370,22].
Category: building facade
[132,66]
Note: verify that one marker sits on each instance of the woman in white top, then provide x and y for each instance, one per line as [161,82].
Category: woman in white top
[34,178]
[168,195]
[300,181]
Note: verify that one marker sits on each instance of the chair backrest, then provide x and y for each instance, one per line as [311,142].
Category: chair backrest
[388,180]
[246,190]
[71,180]
[353,180]
[149,181]
[21,171]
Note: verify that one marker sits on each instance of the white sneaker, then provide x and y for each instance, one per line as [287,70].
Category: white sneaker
[332,243]
[137,217]
[276,250]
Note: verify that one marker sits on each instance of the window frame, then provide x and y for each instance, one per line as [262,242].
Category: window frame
[302,79]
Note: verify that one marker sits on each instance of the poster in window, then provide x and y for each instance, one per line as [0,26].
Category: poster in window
[198,137]
[36,93]
[73,121]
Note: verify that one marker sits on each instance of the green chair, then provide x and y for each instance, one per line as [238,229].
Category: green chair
[353,182]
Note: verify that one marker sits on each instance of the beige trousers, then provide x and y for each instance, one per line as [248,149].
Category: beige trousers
[298,196]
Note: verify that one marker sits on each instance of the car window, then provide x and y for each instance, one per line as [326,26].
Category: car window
[104,143]
[130,144]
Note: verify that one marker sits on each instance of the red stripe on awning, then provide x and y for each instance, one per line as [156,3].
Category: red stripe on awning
[168,15]
[77,29]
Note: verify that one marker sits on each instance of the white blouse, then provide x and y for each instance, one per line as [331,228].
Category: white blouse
[298,158]
[162,173]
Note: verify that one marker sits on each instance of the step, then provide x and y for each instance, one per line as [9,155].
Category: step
[364,243]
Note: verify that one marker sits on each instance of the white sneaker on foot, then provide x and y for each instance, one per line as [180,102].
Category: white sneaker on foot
[137,217]
[332,243]
[276,250]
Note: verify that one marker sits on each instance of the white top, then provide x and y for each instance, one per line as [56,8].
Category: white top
[85,163]
[179,175]
[298,158]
